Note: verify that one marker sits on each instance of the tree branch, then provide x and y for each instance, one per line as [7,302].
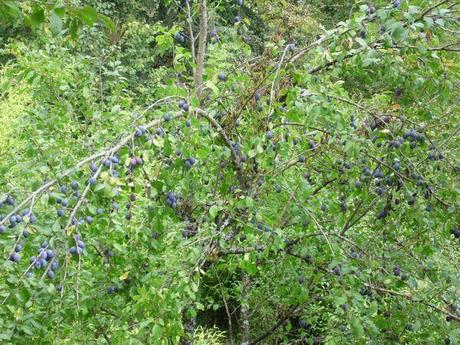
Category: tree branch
[410,297]
[288,315]
[124,141]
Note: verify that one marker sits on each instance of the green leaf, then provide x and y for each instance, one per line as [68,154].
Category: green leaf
[212,86]
[108,23]
[249,267]
[73,28]
[340,300]
[9,8]
[156,331]
[398,32]
[356,328]
[213,210]
[361,42]
[60,11]
[55,22]
[37,17]
[373,308]
[87,15]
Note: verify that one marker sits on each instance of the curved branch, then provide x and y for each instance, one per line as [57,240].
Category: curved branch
[124,141]
[410,297]
[228,143]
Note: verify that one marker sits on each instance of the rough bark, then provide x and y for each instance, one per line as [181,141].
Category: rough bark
[245,311]
[189,328]
[200,54]
[190,29]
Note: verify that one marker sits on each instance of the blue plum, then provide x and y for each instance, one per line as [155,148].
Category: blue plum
[222,76]
[179,37]
[15,257]
[10,200]
[93,167]
[54,265]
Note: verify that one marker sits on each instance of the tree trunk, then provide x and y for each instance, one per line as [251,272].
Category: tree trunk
[198,78]
[189,328]
[245,310]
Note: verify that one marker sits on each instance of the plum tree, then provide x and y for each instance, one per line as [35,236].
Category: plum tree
[310,199]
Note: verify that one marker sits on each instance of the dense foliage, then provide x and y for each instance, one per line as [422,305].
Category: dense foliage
[229,172]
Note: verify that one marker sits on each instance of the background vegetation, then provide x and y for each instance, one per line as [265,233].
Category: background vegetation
[297,185]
